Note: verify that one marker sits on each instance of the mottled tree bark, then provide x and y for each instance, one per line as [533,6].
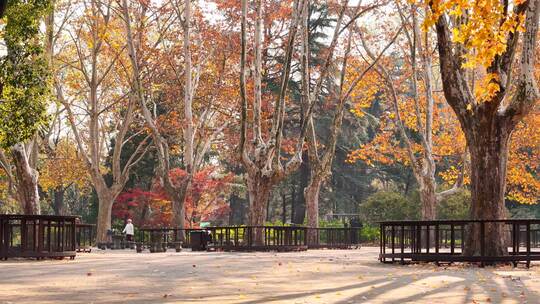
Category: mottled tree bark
[59,206]
[26,180]
[489,155]
[312,202]
[106,199]
[259,189]
[488,124]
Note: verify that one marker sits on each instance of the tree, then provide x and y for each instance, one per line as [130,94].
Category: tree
[154,208]
[320,160]
[388,206]
[422,123]
[478,46]
[96,102]
[201,124]
[23,98]
[145,208]
[523,162]
[262,155]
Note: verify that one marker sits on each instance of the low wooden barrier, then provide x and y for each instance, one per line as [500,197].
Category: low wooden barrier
[160,239]
[37,236]
[226,238]
[242,238]
[86,237]
[335,238]
[443,241]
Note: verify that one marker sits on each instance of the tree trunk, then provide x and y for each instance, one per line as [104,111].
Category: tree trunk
[300,200]
[27,181]
[293,203]
[178,195]
[237,216]
[428,199]
[283,207]
[104,216]
[312,205]
[179,209]
[259,189]
[488,146]
[58,204]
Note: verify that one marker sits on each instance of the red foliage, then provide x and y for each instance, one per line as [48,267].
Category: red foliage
[207,201]
[145,208]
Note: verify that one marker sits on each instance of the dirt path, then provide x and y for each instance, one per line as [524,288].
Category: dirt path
[317,276]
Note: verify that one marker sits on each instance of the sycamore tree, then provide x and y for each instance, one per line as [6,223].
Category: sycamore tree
[487,52]
[23,97]
[342,89]
[93,86]
[187,78]
[263,113]
[418,130]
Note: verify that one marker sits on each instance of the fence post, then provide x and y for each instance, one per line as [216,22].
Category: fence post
[482,242]
[402,243]
[528,244]
[452,240]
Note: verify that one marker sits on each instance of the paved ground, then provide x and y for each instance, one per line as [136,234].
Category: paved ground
[317,276]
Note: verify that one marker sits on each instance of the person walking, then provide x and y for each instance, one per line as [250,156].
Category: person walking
[129,230]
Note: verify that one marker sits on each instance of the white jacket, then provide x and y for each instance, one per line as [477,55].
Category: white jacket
[129,229]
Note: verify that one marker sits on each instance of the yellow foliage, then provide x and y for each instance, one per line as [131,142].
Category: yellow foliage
[488,88]
[482,27]
[523,181]
[365,91]
[63,168]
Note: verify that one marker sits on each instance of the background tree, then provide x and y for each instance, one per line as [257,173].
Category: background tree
[199,84]
[427,132]
[62,168]
[262,154]
[97,103]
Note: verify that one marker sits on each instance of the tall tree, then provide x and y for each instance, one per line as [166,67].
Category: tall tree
[411,92]
[262,155]
[480,40]
[96,99]
[202,127]
[23,98]
[339,94]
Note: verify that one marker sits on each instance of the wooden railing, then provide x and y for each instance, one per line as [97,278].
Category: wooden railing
[160,239]
[243,238]
[37,236]
[86,237]
[335,238]
[443,241]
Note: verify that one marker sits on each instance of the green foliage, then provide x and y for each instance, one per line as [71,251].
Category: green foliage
[520,211]
[387,206]
[455,207]
[369,233]
[331,224]
[24,82]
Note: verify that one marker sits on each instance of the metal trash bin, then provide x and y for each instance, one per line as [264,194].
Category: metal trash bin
[198,240]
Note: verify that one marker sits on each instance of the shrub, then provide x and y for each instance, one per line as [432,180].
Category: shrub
[387,206]
[369,234]
[455,207]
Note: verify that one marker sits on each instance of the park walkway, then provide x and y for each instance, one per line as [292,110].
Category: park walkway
[315,276]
